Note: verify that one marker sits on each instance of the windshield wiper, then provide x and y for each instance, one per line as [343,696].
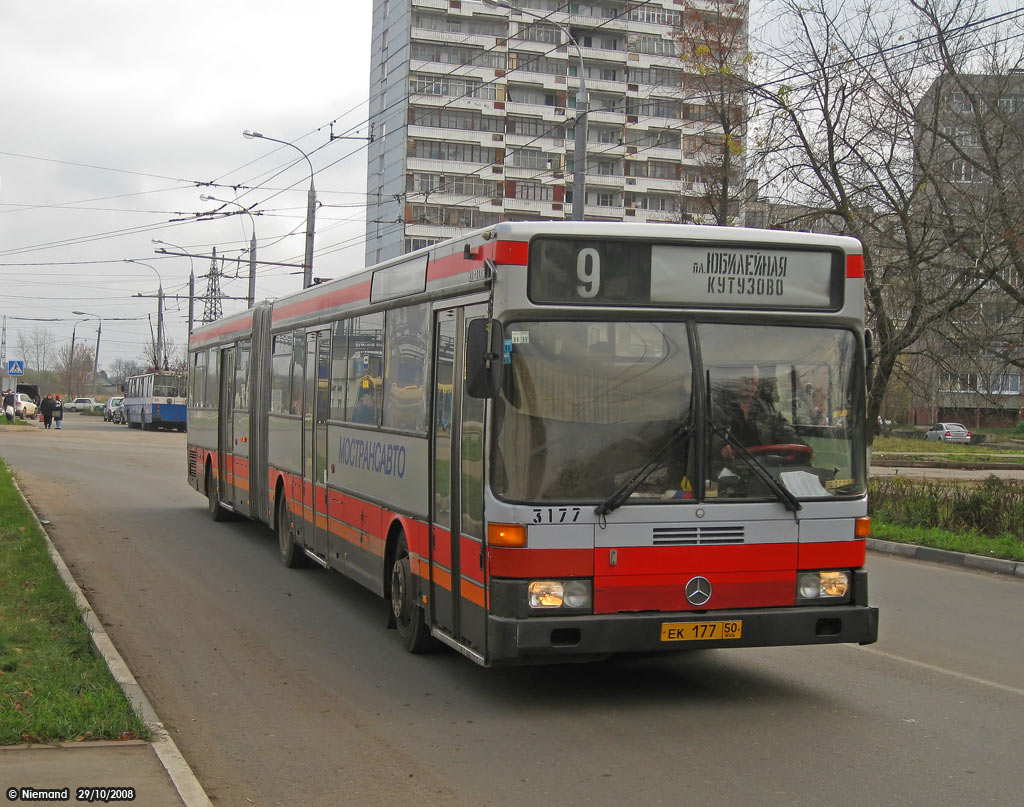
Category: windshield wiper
[784,496]
[625,490]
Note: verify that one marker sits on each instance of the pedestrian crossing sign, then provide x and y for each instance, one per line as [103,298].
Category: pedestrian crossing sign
[15,368]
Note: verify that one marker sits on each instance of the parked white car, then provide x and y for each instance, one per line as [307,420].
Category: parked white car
[23,405]
[80,405]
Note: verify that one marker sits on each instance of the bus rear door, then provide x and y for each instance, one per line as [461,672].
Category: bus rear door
[315,410]
[225,425]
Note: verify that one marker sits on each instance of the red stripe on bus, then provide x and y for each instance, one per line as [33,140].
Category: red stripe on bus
[471,559]
[454,264]
[694,560]
[855,266]
[832,555]
[508,253]
[442,547]
[666,592]
[512,253]
[213,331]
[358,292]
[504,562]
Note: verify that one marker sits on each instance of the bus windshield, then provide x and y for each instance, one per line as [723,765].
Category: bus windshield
[589,403]
[586,405]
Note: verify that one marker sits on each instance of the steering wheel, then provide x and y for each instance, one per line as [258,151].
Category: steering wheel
[787,453]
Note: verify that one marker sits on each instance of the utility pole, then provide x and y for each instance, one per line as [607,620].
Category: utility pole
[160,328]
[3,350]
[191,300]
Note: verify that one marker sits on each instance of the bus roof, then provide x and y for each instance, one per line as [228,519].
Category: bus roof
[459,260]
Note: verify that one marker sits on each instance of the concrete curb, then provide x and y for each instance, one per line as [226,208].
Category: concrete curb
[976,562]
[182,777]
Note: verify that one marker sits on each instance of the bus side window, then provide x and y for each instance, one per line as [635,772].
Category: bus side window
[212,394]
[242,376]
[405,375]
[366,347]
[339,367]
[298,372]
[280,384]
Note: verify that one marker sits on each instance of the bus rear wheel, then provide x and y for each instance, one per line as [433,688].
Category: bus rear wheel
[408,614]
[290,553]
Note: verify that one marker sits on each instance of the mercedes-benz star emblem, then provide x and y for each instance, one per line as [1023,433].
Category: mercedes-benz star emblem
[698,591]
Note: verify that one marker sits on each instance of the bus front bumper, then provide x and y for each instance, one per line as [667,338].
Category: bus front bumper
[551,638]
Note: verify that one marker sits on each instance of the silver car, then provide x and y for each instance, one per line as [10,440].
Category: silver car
[949,433]
[112,410]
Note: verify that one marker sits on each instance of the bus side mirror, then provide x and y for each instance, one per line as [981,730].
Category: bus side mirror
[485,367]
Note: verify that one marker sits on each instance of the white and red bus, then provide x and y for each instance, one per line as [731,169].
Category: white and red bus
[548,441]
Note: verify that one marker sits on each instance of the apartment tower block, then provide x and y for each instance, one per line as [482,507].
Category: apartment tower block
[472,107]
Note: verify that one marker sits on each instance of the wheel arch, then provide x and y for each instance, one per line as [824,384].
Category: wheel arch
[280,498]
[396,531]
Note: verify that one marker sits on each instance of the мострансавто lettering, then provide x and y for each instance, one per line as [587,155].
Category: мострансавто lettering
[372,455]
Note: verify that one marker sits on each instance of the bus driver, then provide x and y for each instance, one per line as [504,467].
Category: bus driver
[747,411]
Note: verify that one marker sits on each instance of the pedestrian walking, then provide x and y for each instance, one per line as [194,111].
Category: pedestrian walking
[9,405]
[46,407]
[58,411]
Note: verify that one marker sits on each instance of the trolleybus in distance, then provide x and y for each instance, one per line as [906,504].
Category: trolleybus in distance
[155,401]
[559,441]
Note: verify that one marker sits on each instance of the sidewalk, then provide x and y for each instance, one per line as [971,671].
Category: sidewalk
[154,773]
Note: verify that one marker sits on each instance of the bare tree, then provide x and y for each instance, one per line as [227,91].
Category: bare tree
[152,361]
[846,136]
[712,39]
[37,348]
[75,370]
[124,368]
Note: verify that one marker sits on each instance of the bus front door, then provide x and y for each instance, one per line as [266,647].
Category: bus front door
[315,410]
[225,426]
[457,587]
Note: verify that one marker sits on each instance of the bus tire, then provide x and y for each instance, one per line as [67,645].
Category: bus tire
[217,513]
[408,614]
[291,554]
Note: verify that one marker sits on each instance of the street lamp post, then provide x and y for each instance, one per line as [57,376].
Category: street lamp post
[252,243]
[96,356]
[307,262]
[579,189]
[71,359]
[159,314]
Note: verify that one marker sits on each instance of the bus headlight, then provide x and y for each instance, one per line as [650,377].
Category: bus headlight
[570,594]
[817,586]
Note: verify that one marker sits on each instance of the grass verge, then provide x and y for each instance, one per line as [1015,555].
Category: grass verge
[1007,546]
[54,686]
[982,519]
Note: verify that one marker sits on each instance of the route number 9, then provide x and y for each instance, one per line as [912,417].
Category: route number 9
[588,271]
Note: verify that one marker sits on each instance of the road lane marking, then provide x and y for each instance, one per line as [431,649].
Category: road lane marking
[934,668]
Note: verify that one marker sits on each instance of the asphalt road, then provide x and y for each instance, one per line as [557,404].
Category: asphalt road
[282,687]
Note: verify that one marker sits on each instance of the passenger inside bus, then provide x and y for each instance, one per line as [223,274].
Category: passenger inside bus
[366,409]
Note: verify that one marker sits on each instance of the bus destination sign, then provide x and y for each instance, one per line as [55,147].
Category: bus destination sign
[719,275]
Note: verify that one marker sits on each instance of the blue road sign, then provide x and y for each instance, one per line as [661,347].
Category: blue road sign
[15,368]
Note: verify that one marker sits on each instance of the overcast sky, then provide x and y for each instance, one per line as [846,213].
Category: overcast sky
[113,113]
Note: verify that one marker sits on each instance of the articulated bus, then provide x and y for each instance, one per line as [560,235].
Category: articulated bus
[155,401]
[558,441]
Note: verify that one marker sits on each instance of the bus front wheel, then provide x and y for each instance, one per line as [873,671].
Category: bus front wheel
[408,614]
